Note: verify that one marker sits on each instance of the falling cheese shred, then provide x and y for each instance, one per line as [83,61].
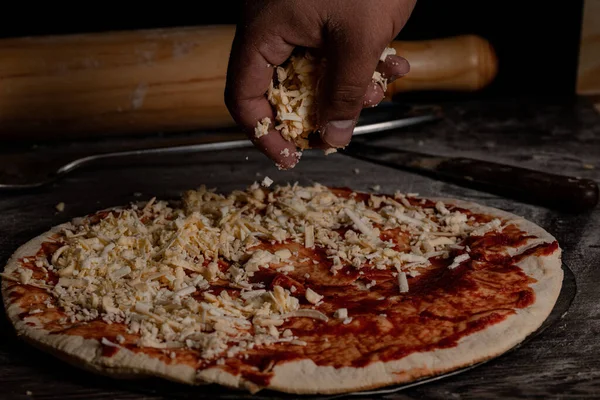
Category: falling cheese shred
[155,267]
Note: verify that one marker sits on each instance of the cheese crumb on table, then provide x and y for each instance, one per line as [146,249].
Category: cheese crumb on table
[60,207]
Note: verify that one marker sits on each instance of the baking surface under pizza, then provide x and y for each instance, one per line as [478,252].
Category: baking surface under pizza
[299,289]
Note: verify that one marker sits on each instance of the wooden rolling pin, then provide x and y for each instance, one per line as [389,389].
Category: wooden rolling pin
[171,79]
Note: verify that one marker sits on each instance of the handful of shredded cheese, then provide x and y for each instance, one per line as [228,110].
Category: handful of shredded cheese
[292,95]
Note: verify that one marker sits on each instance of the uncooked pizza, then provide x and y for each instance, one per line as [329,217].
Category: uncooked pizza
[298,289]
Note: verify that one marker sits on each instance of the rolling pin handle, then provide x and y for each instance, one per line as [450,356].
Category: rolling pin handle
[465,63]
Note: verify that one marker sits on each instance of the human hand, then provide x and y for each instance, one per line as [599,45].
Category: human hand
[350,34]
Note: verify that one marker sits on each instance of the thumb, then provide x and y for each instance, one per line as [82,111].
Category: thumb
[350,63]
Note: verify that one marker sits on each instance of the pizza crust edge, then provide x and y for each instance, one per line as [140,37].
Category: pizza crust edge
[305,377]
[296,377]
[80,352]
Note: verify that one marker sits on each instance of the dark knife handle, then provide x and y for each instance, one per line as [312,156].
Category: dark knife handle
[565,193]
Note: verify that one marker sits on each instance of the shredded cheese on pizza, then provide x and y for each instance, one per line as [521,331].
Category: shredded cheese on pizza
[152,267]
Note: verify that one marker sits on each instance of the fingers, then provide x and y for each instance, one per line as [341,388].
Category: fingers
[393,68]
[274,146]
[352,52]
[249,75]
[351,60]
[373,96]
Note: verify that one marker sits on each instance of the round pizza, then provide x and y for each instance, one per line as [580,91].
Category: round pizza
[298,289]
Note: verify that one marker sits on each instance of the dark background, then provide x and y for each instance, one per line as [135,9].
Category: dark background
[537,42]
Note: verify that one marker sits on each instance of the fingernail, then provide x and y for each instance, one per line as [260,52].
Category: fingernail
[338,133]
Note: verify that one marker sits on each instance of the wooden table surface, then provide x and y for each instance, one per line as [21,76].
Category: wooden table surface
[563,362]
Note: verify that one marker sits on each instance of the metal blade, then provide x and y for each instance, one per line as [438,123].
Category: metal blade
[393,124]
[396,158]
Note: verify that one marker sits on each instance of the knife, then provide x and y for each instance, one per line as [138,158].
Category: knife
[563,193]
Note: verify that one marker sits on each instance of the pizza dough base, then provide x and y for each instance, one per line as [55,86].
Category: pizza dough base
[305,377]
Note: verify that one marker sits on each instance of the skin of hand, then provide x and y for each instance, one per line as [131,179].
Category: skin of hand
[351,34]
